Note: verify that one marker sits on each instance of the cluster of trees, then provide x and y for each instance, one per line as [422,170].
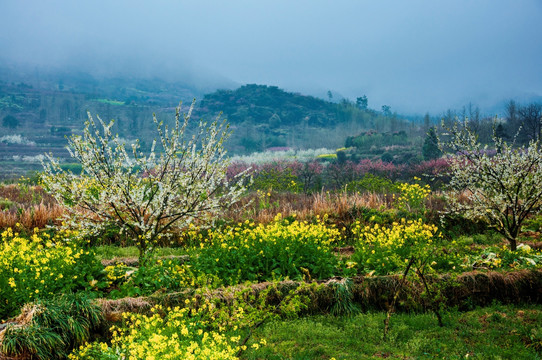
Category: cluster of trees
[272,117]
[367,139]
[523,120]
[520,123]
[261,104]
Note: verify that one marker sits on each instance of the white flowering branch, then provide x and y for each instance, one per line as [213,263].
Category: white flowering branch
[147,196]
[503,184]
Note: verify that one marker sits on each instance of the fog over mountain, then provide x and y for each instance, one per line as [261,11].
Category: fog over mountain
[415,56]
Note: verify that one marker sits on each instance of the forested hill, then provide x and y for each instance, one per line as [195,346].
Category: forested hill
[265,117]
[263,104]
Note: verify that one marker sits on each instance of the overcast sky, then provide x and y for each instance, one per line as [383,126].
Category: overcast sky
[415,56]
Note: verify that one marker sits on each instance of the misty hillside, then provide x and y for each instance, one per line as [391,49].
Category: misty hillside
[47,107]
[266,117]
[262,104]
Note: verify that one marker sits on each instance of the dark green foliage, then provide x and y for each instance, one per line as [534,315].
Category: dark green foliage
[362,102]
[430,149]
[277,180]
[366,140]
[10,121]
[264,104]
[341,156]
[456,225]
[533,224]
[501,133]
[386,157]
[386,110]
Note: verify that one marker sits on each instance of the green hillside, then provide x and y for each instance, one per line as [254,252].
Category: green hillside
[37,115]
[265,117]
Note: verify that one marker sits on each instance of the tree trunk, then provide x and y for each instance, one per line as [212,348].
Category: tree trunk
[513,244]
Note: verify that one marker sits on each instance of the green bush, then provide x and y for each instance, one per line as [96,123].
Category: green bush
[277,180]
[533,224]
[502,257]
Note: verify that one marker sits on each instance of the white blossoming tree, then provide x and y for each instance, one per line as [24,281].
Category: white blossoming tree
[502,184]
[147,196]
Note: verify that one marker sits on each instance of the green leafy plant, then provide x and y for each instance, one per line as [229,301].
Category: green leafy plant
[342,298]
[412,197]
[372,183]
[157,275]
[501,257]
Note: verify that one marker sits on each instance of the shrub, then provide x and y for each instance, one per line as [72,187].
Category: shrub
[51,329]
[372,183]
[162,274]
[501,257]
[277,177]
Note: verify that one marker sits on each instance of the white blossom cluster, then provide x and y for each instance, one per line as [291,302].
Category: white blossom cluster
[150,195]
[502,186]
[29,159]
[260,158]
[16,139]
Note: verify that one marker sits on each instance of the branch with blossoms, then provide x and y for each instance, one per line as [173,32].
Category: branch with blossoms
[146,195]
[503,185]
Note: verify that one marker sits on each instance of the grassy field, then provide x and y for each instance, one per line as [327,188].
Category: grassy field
[496,332]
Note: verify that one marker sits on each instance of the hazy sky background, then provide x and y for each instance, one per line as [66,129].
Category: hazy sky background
[414,55]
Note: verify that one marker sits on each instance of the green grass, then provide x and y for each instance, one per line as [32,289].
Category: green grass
[111,251]
[497,332]
[110,102]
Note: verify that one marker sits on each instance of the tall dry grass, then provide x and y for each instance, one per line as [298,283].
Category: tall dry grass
[27,207]
[336,205]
